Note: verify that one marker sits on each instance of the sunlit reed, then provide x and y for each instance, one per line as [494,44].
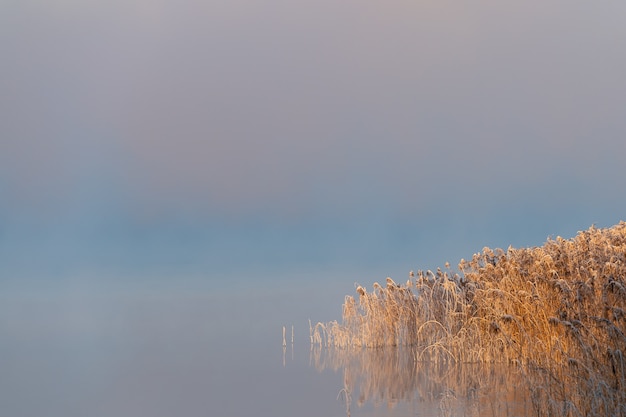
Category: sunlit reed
[558,312]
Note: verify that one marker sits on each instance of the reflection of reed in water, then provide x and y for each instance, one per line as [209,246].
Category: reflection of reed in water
[391,376]
[557,312]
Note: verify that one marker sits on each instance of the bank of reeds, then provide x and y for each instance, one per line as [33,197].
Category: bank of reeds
[558,311]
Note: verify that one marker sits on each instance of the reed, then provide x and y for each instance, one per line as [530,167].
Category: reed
[557,311]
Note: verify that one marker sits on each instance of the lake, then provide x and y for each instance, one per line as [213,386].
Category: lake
[217,352]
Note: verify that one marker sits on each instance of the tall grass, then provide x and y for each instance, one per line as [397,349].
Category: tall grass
[557,311]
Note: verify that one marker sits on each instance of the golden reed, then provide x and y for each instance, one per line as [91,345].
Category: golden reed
[557,311]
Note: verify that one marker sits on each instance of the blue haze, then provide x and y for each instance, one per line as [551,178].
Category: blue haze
[233,136]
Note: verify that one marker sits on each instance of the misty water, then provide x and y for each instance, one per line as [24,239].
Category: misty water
[124,351]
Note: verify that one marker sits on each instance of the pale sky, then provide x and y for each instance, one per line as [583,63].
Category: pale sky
[393,134]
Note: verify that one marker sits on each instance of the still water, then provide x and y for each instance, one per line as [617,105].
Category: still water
[208,353]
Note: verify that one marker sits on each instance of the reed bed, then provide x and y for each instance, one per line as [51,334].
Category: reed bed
[557,311]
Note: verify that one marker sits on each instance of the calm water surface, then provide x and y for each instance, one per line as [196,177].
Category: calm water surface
[204,353]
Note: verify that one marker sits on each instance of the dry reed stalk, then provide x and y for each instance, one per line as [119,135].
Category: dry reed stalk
[558,310]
